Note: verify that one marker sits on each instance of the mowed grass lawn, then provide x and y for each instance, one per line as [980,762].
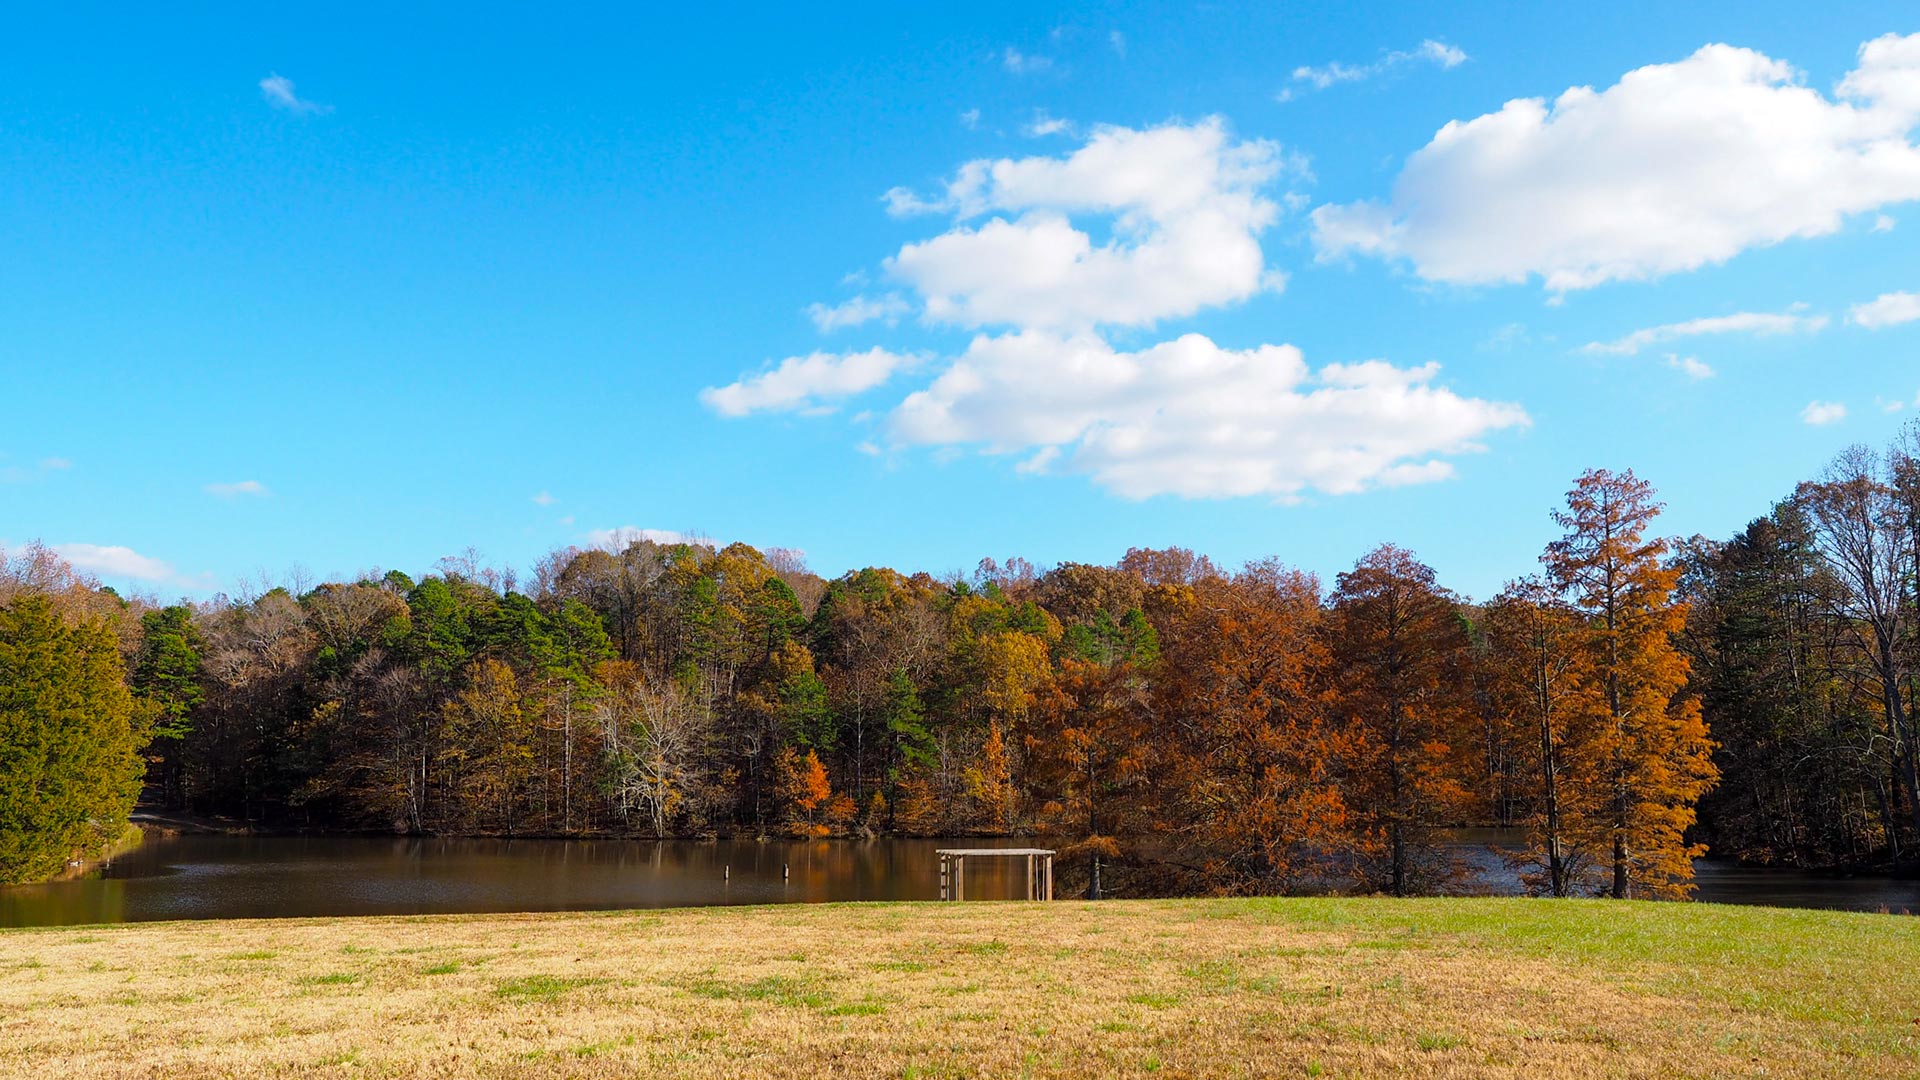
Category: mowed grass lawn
[1228,988]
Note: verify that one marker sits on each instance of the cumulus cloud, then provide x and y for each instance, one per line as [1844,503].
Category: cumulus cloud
[857,312]
[1182,206]
[1320,78]
[1118,41]
[253,488]
[1823,412]
[1887,309]
[1185,207]
[1757,323]
[1190,418]
[115,561]
[544,499]
[1674,167]
[805,383]
[279,92]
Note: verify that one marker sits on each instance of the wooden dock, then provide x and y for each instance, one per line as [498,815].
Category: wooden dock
[953,870]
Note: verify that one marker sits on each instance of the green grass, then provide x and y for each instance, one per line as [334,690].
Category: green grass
[1229,988]
[540,987]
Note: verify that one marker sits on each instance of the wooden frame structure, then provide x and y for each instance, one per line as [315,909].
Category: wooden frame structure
[953,870]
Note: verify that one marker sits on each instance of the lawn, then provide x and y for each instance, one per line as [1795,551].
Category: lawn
[1228,988]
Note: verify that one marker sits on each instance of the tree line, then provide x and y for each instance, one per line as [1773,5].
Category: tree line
[1174,726]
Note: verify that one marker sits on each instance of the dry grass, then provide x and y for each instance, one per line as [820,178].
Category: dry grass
[1228,988]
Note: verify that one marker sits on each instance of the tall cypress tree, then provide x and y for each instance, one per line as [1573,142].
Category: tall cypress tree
[1650,754]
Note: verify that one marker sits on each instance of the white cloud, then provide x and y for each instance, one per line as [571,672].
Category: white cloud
[857,312]
[544,499]
[253,488]
[279,91]
[55,464]
[1183,206]
[1119,42]
[115,561]
[1185,209]
[1887,309]
[805,383]
[1883,223]
[1429,51]
[1823,412]
[1043,125]
[970,119]
[1690,366]
[1187,417]
[618,539]
[1674,167]
[1023,64]
[1760,324]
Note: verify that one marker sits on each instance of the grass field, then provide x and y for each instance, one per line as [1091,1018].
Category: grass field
[1229,988]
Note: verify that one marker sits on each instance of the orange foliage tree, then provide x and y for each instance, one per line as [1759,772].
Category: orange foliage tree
[1649,751]
[800,783]
[1544,703]
[1252,752]
[1399,649]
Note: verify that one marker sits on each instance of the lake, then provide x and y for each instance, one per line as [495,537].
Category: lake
[225,877]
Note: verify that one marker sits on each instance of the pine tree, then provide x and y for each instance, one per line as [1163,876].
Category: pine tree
[166,679]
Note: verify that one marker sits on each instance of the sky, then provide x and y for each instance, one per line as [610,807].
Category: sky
[292,289]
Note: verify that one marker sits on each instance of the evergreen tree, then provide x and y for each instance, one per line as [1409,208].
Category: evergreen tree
[69,766]
[166,679]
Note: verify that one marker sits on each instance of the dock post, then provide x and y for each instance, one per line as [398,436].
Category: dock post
[1033,889]
[945,866]
[1047,891]
[959,877]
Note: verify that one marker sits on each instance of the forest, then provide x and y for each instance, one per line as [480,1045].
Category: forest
[1174,726]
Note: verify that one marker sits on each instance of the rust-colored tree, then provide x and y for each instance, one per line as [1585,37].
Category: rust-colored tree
[1399,649]
[1545,704]
[1092,743]
[1251,767]
[1650,749]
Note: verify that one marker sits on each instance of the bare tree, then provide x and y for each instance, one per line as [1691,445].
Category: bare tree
[1864,531]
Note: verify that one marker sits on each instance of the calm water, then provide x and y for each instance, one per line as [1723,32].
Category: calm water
[209,877]
[230,877]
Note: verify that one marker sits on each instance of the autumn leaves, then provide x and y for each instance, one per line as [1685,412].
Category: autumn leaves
[1171,726]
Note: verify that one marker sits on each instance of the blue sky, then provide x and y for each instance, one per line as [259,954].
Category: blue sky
[352,289]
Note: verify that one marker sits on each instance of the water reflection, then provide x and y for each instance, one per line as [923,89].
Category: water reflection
[225,877]
[208,877]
